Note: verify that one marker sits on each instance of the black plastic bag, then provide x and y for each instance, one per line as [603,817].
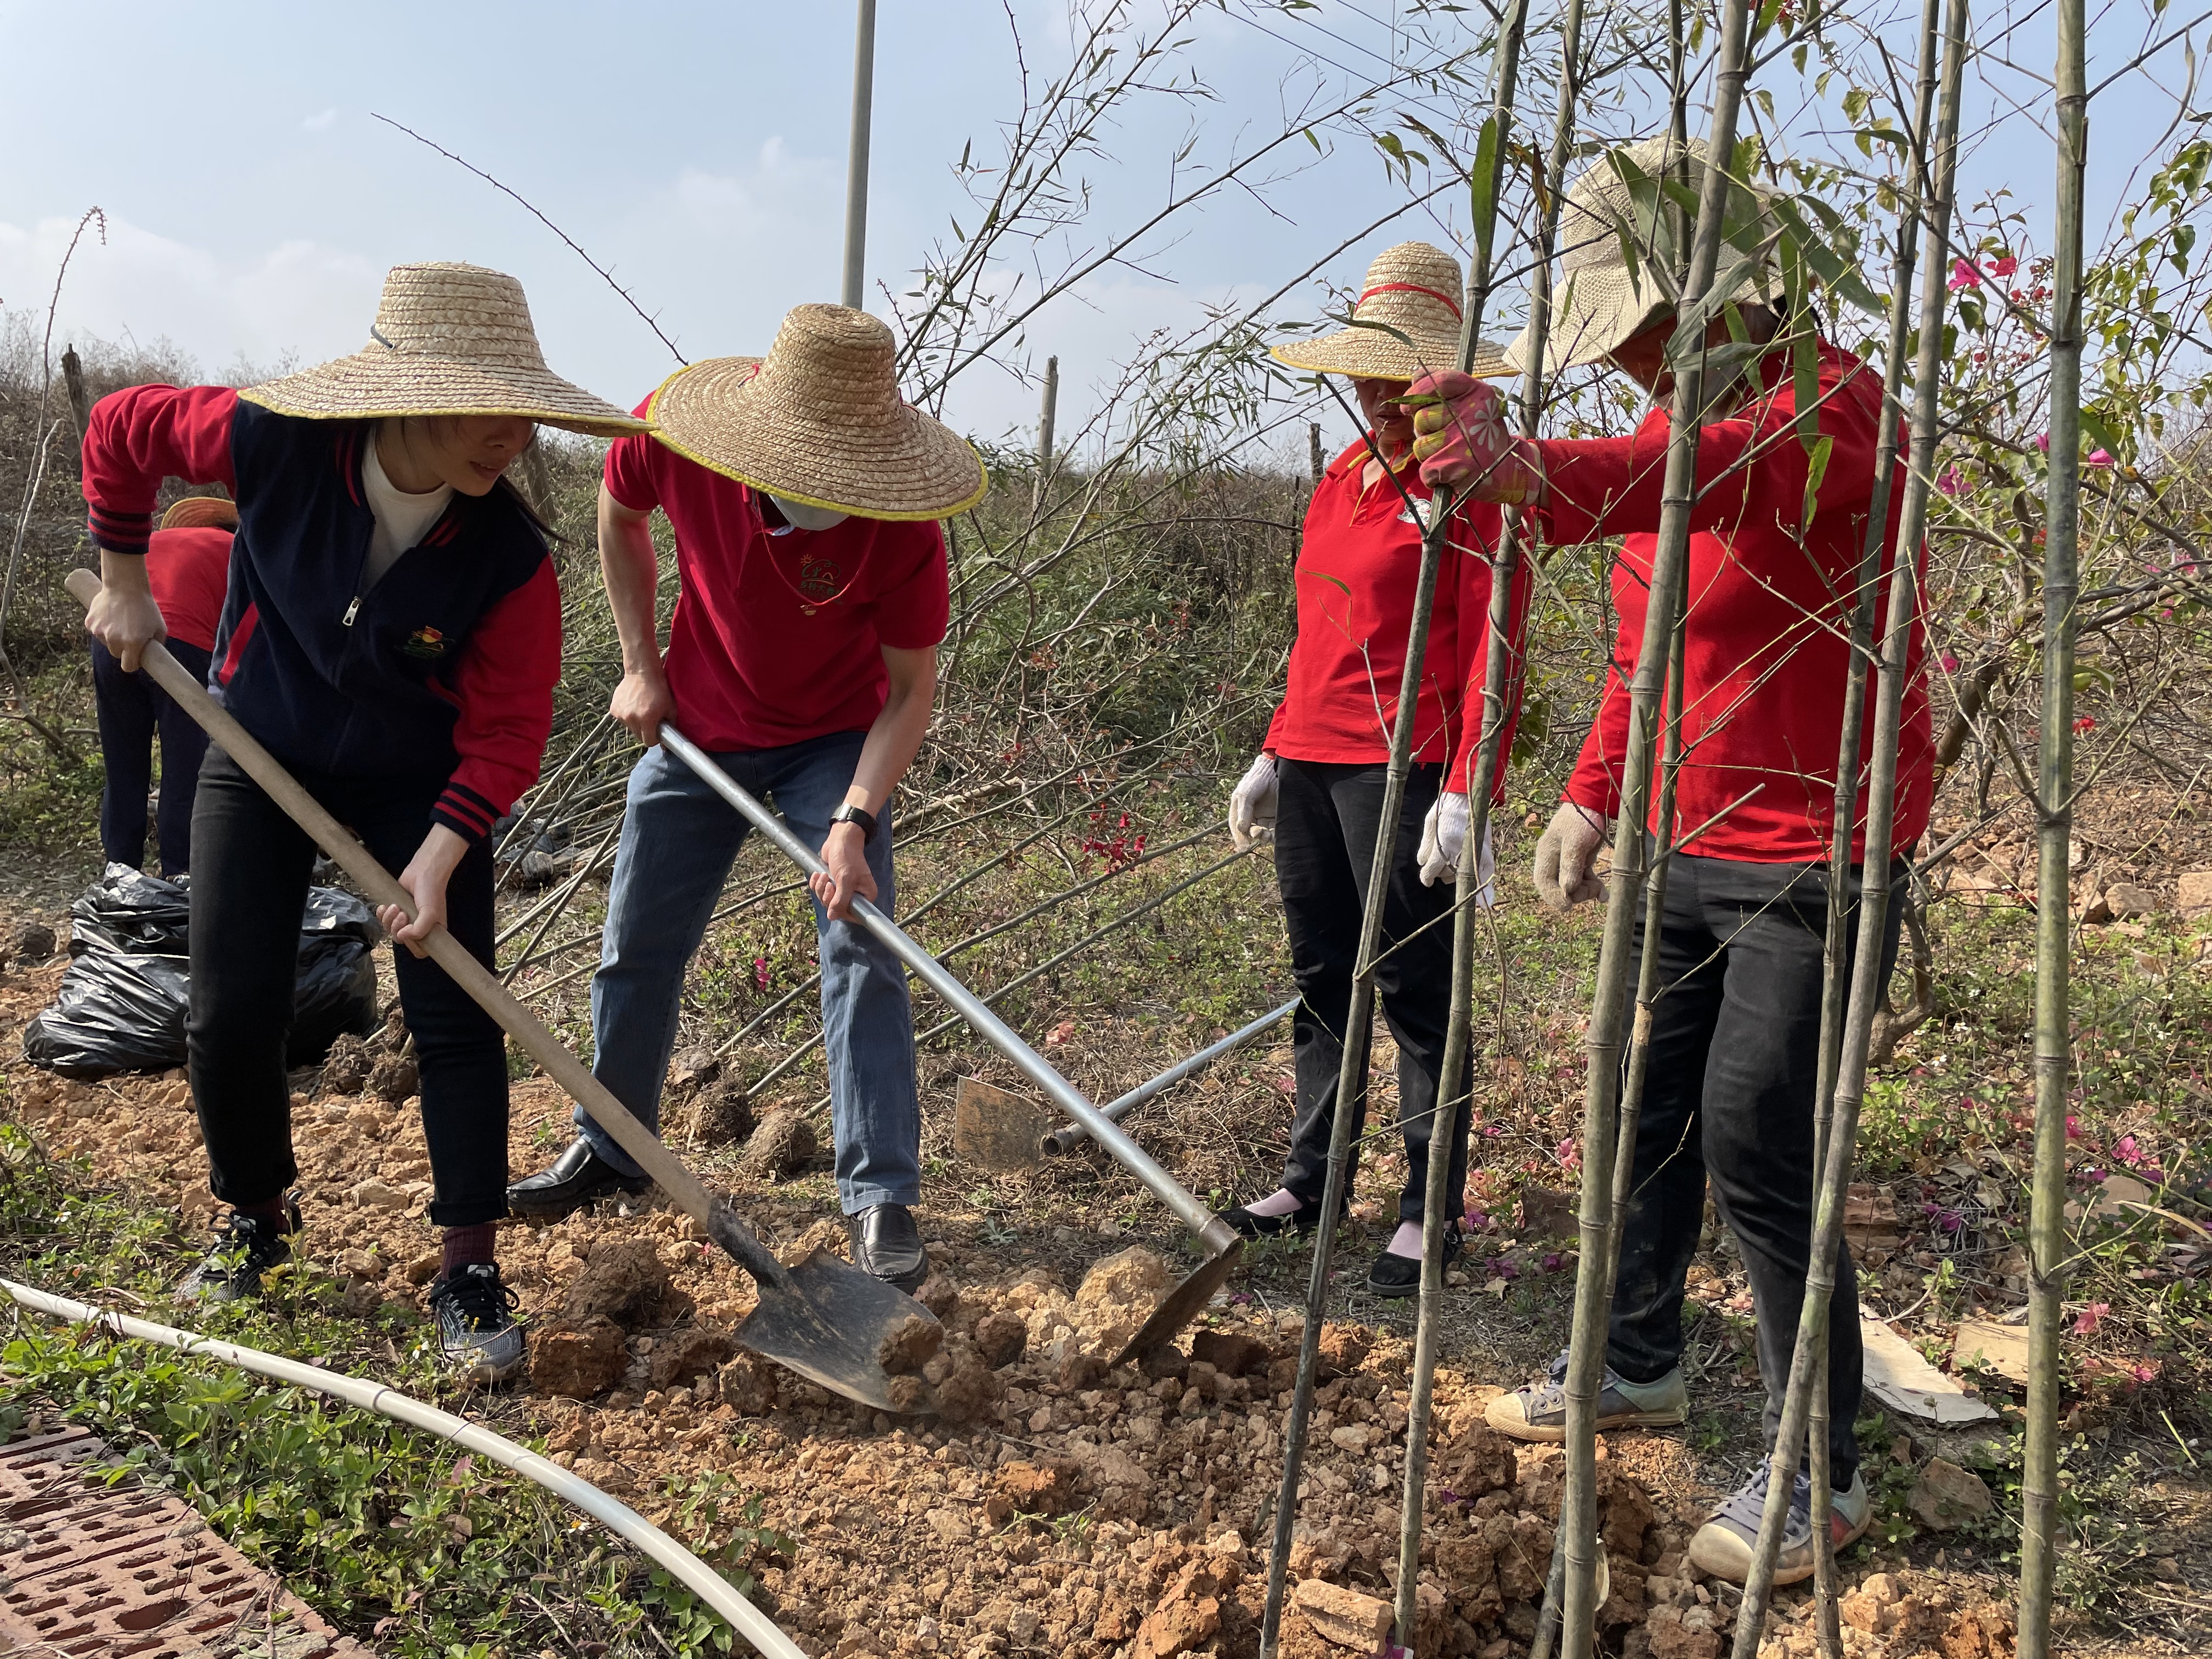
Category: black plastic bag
[123,997]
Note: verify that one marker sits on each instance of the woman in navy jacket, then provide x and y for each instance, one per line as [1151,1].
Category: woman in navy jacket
[392,636]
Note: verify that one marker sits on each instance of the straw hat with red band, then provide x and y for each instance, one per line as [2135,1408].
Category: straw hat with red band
[201,513]
[1414,290]
[819,422]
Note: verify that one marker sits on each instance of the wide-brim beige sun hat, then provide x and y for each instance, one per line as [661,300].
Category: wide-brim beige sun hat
[1601,304]
[1413,289]
[819,420]
[448,339]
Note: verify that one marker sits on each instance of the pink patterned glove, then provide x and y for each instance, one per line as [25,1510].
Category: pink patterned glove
[1461,439]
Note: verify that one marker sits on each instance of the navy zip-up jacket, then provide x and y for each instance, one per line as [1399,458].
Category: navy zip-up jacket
[445,669]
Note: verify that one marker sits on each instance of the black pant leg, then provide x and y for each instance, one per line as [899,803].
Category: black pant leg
[1413,978]
[1320,913]
[184,747]
[460,1050]
[1667,1201]
[248,891]
[122,704]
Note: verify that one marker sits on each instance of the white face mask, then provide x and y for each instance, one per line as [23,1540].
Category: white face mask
[808,518]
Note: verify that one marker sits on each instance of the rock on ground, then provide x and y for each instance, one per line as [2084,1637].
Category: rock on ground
[782,1145]
[999,1338]
[576,1360]
[1946,1496]
[1118,1295]
[1342,1616]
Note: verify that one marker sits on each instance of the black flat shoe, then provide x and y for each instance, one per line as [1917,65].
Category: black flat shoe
[886,1244]
[245,1248]
[1296,1224]
[576,1177]
[1394,1275]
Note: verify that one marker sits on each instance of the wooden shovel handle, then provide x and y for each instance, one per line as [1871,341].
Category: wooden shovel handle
[376,882]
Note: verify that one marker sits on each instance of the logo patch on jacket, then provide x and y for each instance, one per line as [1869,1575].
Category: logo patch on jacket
[818,579]
[425,641]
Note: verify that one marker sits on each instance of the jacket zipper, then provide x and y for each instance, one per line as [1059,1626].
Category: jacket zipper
[351,611]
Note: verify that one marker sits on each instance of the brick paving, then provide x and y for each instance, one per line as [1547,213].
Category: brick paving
[127,1572]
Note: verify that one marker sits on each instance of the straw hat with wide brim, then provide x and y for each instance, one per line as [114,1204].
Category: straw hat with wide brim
[1412,289]
[201,513]
[449,339]
[819,422]
[1601,304]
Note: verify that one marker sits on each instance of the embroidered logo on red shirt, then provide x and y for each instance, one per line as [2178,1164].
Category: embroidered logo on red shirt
[820,581]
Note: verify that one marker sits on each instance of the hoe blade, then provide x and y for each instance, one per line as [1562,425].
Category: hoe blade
[827,1321]
[1184,1303]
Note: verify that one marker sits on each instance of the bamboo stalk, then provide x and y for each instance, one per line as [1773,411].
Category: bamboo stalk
[1437,1208]
[2062,579]
[1593,1298]
[1874,899]
[1835,976]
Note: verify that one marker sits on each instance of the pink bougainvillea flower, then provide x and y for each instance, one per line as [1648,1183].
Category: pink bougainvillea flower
[2042,443]
[2003,267]
[2127,1151]
[1950,662]
[1963,276]
[1570,1154]
[2091,1317]
[2098,457]
[761,972]
[2073,1128]
[2087,723]
[1952,482]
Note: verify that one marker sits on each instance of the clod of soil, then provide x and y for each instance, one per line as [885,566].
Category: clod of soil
[696,1351]
[1044,1487]
[31,943]
[1342,1347]
[783,1145]
[626,1281]
[966,1388]
[346,1068]
[722,1116]
[395,1078]
[1118,1295]
[694,1067]
[1344,1616]
[577,1361]
[1233,1354]
[909,1345]
[999,1338]
[939,1295]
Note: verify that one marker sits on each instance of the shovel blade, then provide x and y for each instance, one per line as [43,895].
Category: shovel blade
[827,1321]
[1184,1303]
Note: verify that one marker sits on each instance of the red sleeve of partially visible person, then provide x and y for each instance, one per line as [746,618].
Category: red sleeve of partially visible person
[913,609]
[505,688]
[189,572]
[1480,526]
[140,436]
[629,469]
[1602,487]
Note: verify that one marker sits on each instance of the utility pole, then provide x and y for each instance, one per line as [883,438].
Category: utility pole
[856,166]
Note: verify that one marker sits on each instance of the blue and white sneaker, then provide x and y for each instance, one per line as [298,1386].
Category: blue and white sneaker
[1724,1545]
[1538,1412]
[477,1328]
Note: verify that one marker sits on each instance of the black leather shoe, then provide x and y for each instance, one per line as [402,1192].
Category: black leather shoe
[886,1244]
[1394,1275]
[578,1176]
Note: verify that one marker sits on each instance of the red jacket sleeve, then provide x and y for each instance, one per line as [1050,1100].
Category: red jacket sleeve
[140,436]
[505,687]
[1595,782]
[1486,526]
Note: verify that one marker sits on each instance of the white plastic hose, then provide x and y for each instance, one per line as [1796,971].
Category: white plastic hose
[701,1580]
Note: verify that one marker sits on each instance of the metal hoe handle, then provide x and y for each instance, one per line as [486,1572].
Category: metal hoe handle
[1188,1209]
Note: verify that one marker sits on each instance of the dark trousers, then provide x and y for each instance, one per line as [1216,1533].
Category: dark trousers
[249,889]
[1326,819]
[1729,1094]
[131,708]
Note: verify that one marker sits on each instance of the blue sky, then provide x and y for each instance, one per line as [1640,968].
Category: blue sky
[254,204]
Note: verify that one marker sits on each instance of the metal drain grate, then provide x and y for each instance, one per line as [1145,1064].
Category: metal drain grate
[127,1572]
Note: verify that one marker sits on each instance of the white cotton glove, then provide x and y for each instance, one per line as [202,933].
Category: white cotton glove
[1252,805]
[1564,855]
[1443,838]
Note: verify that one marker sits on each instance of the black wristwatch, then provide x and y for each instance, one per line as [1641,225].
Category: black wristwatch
[849,813]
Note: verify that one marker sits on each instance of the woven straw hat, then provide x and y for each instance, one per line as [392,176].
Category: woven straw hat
[201,513]
[819,422]
[1414,288]
[449,339]
[1600,305]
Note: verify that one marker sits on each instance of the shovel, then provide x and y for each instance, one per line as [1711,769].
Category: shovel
[824,1318]
[1215,1237]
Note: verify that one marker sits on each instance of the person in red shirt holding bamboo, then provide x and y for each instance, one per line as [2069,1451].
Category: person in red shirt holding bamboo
[188,572]
[1773,578]
[1318,782]
[804,495]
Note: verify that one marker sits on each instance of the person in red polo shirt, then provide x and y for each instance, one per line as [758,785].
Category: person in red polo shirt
[1318,782]
[188,571]
[803,495]
[1734,1040]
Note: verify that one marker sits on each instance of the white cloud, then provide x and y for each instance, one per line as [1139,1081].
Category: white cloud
[322,122]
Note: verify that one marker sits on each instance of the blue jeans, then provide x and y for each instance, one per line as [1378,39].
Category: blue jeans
[678,844]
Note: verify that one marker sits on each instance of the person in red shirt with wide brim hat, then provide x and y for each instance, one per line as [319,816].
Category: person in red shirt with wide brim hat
[804,495]
[392,635]
[188,570]
[1773,579]
[1317,785]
